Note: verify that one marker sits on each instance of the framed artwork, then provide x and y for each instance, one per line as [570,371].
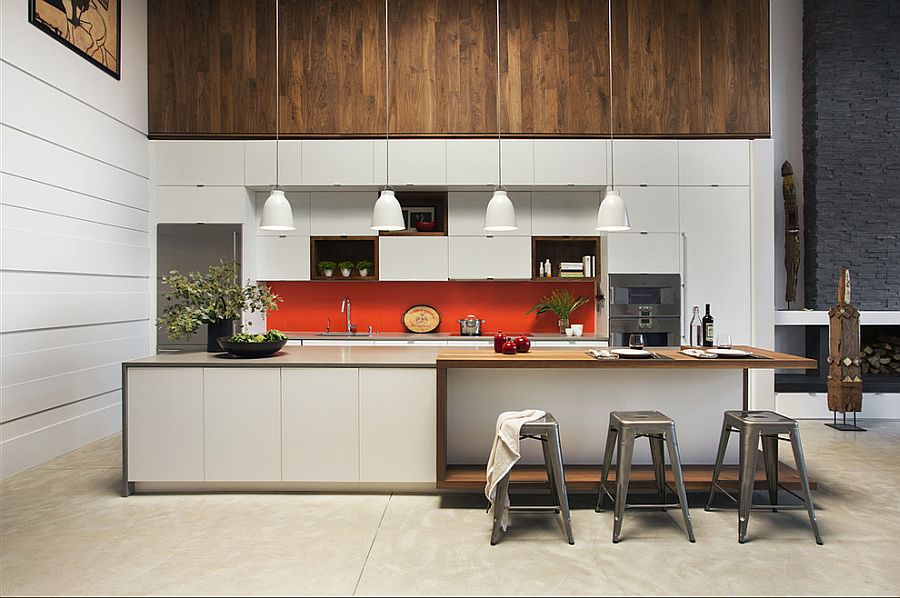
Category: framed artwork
[413,215]
[89,27]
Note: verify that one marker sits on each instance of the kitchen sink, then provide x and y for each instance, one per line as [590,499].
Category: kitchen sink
[345,334]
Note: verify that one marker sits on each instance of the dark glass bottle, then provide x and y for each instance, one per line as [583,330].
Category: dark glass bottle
[709,332]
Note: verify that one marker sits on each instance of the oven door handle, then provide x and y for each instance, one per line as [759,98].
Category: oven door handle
[684,319]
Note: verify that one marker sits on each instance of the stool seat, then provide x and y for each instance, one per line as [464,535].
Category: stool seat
[545,424]
[766,419]
[639,419]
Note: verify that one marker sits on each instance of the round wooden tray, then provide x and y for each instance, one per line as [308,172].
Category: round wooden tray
[421,319]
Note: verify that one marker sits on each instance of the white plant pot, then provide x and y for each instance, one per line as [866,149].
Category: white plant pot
[364,273]
[346,273]
[328,273]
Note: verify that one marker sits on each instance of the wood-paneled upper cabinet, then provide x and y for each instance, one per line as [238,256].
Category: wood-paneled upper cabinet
[683,67]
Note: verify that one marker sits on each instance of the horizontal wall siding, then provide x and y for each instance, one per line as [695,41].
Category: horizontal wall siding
[75,239]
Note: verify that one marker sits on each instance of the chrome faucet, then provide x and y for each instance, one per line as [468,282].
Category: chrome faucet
[345,305]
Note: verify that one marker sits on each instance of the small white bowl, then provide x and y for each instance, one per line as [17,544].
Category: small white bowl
[578,329]
[569,332]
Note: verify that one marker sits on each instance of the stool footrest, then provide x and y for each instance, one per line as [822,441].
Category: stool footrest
[535,509]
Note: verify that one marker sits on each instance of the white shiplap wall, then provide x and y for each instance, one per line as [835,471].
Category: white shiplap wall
[75,258]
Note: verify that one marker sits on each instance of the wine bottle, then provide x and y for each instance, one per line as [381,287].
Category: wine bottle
[695,328]
[709,332]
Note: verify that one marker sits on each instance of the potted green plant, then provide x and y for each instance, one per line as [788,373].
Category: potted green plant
[561,303]
[326,268]
[363,266]
[346,268]
[215,299]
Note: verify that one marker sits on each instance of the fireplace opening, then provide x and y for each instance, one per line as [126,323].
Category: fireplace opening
[880,347]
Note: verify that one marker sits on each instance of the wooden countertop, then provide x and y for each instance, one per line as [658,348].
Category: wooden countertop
[577,358]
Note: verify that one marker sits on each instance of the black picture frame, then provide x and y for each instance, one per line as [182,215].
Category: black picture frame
[35,20]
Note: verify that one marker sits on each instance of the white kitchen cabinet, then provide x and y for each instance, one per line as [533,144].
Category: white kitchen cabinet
[259,163]
[165,424]
[413,162]
[320,424]
[570,162]
[299,208]
[282,258]
[338,162]
[718,162]
[645,161]
[411,343]
[466,210]
[644,253]
[472,161]
[564,212]
[412,258]
[518,162]
[490,258]
[717,257]
[651,209]
[242,424]
[397,425]
[341,212]
[200,162]
[338,342]
[209,205]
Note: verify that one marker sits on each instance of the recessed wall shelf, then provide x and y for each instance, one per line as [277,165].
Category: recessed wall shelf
[563,249]
[343,248]
[433,203]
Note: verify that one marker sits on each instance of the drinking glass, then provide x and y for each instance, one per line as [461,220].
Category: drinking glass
[636,341]
[723,341]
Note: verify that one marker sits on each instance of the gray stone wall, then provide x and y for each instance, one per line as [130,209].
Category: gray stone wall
[851,150]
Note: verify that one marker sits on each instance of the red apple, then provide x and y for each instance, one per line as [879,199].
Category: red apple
[509,346]
[523,344]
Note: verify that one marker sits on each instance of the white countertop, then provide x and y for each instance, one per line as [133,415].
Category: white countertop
[341,356]
[440,336]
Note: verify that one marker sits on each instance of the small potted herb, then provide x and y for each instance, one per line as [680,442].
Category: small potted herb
[326,268]
[346,268]
[561,303]
[363,266]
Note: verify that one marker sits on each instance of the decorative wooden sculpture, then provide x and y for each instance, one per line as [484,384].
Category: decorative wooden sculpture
[791,233]
[844,358]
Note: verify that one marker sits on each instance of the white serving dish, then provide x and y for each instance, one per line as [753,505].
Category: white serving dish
[632,353]
[728,352]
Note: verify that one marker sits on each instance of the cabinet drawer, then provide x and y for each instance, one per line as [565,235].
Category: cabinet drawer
[490,257]
[409,258]
[282,258]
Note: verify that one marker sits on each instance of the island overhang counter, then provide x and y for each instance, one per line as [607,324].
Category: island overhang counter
[401,418]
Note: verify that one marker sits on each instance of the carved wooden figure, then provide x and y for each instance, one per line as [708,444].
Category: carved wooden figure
[844,358]
[791,233]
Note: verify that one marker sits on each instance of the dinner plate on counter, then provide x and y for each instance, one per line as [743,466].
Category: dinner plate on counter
[632,353]
[729,352]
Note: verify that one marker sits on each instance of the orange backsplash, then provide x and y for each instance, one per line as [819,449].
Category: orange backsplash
[307,305]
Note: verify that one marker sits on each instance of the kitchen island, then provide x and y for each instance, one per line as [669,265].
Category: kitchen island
[398,418]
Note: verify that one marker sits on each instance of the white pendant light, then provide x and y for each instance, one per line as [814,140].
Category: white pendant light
[277,213]
[387,214]
[500,214]
[612,215]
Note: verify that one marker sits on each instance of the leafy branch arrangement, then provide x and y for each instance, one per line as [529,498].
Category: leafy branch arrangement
[198,299]
[560,302]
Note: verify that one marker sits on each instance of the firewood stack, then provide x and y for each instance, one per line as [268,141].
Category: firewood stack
[882,356]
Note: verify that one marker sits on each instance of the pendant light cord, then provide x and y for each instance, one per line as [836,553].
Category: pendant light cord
[277,91]
[499,140]
[387,103]
[612,154]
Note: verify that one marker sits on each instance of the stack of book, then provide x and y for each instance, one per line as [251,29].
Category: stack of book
[571,270]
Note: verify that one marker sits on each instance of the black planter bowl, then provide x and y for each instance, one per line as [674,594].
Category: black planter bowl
[251,350]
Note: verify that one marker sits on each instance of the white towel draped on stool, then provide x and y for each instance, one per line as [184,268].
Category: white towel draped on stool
[505,453]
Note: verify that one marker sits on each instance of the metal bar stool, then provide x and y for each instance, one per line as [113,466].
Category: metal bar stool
[768,425]
[546,430]
[625,426]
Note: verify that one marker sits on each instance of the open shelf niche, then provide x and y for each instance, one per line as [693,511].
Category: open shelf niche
[434,202]
[343,248]
[563,249]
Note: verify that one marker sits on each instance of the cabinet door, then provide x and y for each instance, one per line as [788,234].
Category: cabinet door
[569,162]
[564,212]
[714,162]
[165,424]
[466,210]
[490,258]
[242,422]
[409,258]
[645,161]
[320,424]
[341,212]
[209,205]
[397,425]
[299,208]
[259,163]
[639,253]
[717,267]
[338,162]
[282,258]
[651,209]
[200,162]
[472,161]
[413,162]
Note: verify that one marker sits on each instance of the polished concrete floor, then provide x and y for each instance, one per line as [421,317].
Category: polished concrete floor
[65,530]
